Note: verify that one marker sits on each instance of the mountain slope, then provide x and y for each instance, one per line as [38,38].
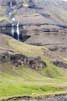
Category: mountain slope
[23,80]
[46,27]
[57,9]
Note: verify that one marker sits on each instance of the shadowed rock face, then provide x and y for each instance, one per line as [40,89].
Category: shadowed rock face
[20,60]
[60,64]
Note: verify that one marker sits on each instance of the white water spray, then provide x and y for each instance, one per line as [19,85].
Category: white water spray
[12,30]
[18,31]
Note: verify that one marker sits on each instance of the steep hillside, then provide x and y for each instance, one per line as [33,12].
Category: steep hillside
[25,81]
[39,66]
[49,10]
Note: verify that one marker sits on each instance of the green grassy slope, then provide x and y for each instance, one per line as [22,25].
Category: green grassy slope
[16,81]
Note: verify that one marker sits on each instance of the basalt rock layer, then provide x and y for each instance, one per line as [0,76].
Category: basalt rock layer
[20,60]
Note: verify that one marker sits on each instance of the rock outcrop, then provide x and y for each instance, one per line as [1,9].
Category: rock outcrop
[20,60]
[60,64]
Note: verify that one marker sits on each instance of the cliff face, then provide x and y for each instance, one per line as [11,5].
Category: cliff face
[54,10]
[45,23]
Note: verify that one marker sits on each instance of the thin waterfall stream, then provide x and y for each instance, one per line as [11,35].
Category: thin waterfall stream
[18,31]
[15,31]
[12,30]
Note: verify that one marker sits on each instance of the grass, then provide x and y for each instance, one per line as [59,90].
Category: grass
[15,86]
[25,81]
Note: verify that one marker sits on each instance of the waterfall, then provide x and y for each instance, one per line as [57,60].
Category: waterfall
[15,31]
[12,30]
[18,31]
[11,5]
